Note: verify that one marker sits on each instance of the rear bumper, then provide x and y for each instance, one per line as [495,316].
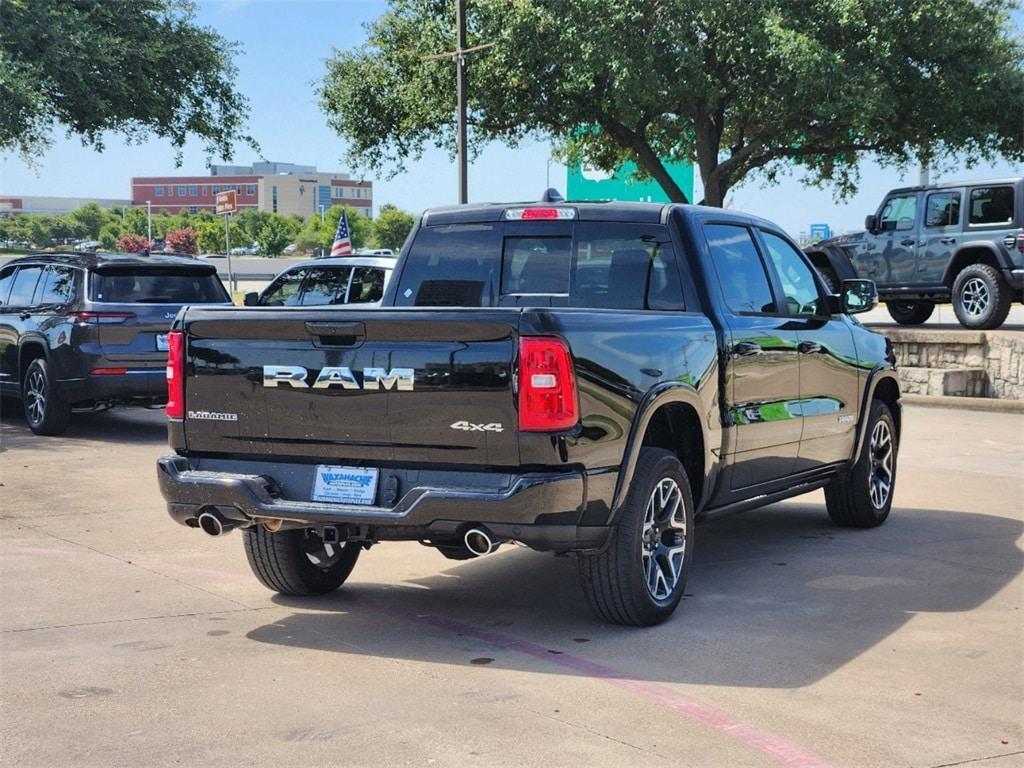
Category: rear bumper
[540,510]
[147,385]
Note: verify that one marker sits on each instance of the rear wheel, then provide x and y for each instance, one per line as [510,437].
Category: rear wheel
[910,312]
[298,562]
[981,298]
[640,576]
[45,410]
[863,497]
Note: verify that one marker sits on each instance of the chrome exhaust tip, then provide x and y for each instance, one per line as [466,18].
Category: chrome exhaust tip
[214,524]
[479,542]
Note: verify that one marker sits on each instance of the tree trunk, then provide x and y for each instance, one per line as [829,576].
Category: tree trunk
[708,145]
[650,162]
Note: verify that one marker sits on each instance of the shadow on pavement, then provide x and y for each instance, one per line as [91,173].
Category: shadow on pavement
[777,598]
[119,425]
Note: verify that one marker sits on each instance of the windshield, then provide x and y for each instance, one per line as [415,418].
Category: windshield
[157,285]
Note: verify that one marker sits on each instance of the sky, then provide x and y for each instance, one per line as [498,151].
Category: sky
[285,44]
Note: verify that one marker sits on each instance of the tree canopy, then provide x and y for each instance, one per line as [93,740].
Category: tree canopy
[135,67]
[739,88]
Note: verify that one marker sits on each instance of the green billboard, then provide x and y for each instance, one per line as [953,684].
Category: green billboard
[586,183]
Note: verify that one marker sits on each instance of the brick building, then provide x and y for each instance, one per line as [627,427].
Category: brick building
[283,188]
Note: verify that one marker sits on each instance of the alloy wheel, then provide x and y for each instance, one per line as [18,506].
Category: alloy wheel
[975,297]
[35,396]
[322,554]
[663,540]
[882,461]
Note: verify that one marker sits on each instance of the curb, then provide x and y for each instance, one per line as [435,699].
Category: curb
[991,404]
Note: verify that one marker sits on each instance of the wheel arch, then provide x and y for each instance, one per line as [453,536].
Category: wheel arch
[834,258]
[31,348]
[884,385]
[973,253]
[670,417]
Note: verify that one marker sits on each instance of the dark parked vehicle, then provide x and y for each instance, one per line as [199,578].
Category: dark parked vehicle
[575,377]
[87,331]
[341,280]
[955,242]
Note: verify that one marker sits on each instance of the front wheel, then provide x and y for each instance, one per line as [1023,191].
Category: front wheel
[981,298]
[863,497]
[910,312]
[640,576]
[45,409]
[298,561]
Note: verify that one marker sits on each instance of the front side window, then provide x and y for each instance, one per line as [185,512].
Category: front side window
[24,286]
[795,275]
[899,213]
[59,286]
[991,205]
[284,291]
[6,281]
[367,285]
[740,269]
[942,209]
[326,285]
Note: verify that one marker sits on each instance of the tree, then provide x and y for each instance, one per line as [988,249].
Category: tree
[183,240]
[391,227]
[135,67]
[274,236]
[90,218]
[131,243]
[742,88]
[320,234]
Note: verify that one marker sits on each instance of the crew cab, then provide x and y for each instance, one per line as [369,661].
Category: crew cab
[955,242]
[89,331]
[584,378]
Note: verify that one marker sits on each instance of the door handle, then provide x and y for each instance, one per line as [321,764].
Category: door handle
[948,240]
[746,348]
[808,347]
[25,315]
[907,242]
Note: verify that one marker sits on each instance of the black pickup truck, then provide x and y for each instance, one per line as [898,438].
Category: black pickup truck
[575,377]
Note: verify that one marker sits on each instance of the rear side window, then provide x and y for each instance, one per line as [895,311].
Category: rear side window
[942,209]
[6,281]
[157,285]
[740,269]
[367,285]
[326,285]
[57,287]
[24,286]
[284,291]
[591,265]
[991,205]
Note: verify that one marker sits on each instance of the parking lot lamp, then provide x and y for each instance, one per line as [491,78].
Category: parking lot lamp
[149,224]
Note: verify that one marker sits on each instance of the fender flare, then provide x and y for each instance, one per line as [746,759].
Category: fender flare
[32,339]
[1001,259]
[880,373]
[664,394]
[835,257]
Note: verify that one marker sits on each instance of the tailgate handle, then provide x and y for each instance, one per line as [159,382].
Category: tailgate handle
[338,334]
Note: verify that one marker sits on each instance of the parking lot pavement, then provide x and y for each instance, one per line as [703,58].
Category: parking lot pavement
[943,318]
[128,640]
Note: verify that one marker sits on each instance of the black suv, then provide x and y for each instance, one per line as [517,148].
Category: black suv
[85,330]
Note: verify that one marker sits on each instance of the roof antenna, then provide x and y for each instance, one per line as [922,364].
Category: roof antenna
[552,195]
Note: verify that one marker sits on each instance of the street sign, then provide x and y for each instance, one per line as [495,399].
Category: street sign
[587,183]
[226,202]
[820,231]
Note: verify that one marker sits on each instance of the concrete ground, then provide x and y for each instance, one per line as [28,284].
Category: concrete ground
[942,318]
[129,641]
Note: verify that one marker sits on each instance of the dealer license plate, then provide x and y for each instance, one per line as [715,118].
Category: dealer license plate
[345,485]
[161,342]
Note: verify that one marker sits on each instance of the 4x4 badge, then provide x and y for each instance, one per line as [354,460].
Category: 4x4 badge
[467,426]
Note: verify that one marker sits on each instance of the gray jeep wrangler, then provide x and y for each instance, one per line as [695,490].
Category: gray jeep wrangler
[959,242]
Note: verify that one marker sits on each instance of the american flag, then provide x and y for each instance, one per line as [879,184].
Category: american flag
[342,239]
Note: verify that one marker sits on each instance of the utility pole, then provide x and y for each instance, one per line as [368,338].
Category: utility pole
[460,85]
[149,225]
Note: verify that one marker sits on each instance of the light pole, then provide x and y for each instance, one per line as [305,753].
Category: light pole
[321,214]
[149,224]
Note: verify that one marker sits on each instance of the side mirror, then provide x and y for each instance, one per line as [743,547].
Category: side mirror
[252,299]
[871,223]
[858,296]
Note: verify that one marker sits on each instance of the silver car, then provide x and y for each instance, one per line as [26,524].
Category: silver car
[344,280]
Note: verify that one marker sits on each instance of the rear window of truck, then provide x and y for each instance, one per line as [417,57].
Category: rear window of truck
[157,285]
[587,264]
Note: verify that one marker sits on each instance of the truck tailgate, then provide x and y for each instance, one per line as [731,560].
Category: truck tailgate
[353,386]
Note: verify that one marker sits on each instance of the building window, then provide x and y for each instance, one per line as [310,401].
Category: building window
[238,188]
[273,199]
[204,190]
[181,190]
[193,190]
[170,190]
[158,190]
[193,209]
[216,189]
[250,189]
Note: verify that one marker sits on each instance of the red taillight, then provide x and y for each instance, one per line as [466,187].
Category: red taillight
[1020,242]
[100,317]
[108,371]
[547,385]
[175,375]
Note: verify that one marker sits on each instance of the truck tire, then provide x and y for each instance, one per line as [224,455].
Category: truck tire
[45,410]
[298,561]
[639,577]
[862,498]
[831,280]
[981,298]
[910,312]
